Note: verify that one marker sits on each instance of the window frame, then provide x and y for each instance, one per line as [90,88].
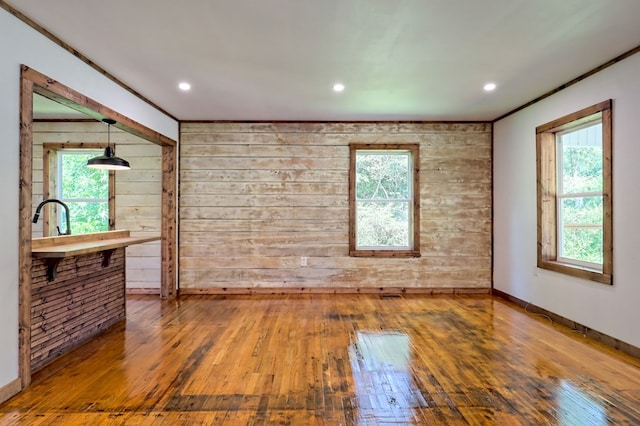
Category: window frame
[547,197]
[414,250]
[51,175]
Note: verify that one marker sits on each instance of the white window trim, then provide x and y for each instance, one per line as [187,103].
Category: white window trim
[408,201]
[561,195]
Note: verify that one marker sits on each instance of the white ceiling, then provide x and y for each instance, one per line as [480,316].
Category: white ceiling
[399,59]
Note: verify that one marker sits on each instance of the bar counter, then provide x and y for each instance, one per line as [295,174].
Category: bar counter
[77,290]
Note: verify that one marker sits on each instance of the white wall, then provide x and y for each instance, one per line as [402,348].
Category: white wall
[613,310]
[23,45]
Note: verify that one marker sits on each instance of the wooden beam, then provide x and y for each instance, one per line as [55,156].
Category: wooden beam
[607,201]
[169,223]
[62,94]
[24,229]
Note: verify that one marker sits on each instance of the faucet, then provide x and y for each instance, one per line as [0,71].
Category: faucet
[66,210]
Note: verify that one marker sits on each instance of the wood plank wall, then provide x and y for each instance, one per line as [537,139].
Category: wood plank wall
[138,191]
[84,300]
[256,197]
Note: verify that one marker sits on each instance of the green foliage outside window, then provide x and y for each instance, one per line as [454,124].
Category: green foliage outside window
[382,224]
[581,169]
[85,191]
[583,244]
[383,195]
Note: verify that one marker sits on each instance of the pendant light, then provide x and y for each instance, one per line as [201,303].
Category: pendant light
[108,160]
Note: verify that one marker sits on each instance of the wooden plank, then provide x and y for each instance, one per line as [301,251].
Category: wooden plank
[260,188]
[151,249]
[282,212]
[470,140]
[365,277]
[262,176]
[144,276]
[217,250]
[143,290]
[233,163]
[80,248]
[356,128]
[262,238]
[268,200]
[264,225]
[433,263]
[264,151]
[138,200]
[133,187]
[61,240]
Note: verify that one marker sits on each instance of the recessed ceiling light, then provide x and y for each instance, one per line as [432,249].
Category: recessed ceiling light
[184,86]
[338,87]
[489,87]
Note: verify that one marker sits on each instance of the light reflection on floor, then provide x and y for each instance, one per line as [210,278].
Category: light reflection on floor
[576,408]
[384,387]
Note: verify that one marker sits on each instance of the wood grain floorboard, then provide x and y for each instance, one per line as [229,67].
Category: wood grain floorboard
[332,360]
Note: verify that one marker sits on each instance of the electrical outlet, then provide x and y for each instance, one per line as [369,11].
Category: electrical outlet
[303,261]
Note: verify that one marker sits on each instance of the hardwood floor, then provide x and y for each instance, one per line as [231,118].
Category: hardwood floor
[333,360]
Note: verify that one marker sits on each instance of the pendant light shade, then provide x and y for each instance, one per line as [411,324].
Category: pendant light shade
[108,160]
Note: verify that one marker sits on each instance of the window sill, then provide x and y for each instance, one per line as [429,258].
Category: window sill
[576,271]
[384,253]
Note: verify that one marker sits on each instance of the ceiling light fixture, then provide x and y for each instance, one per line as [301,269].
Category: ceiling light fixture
[108,160]
[489,87]
[338,87]
[184,86]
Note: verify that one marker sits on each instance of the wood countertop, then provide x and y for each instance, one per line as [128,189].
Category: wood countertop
[75,245]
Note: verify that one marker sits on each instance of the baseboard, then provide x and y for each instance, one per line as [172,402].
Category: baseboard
[153,291]
[605,339]
[329,290]
[9,390]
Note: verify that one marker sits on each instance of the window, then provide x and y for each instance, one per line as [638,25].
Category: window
[574,194]
[384,202]
[86,191]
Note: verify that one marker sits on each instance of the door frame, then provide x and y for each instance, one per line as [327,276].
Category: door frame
[32,81]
